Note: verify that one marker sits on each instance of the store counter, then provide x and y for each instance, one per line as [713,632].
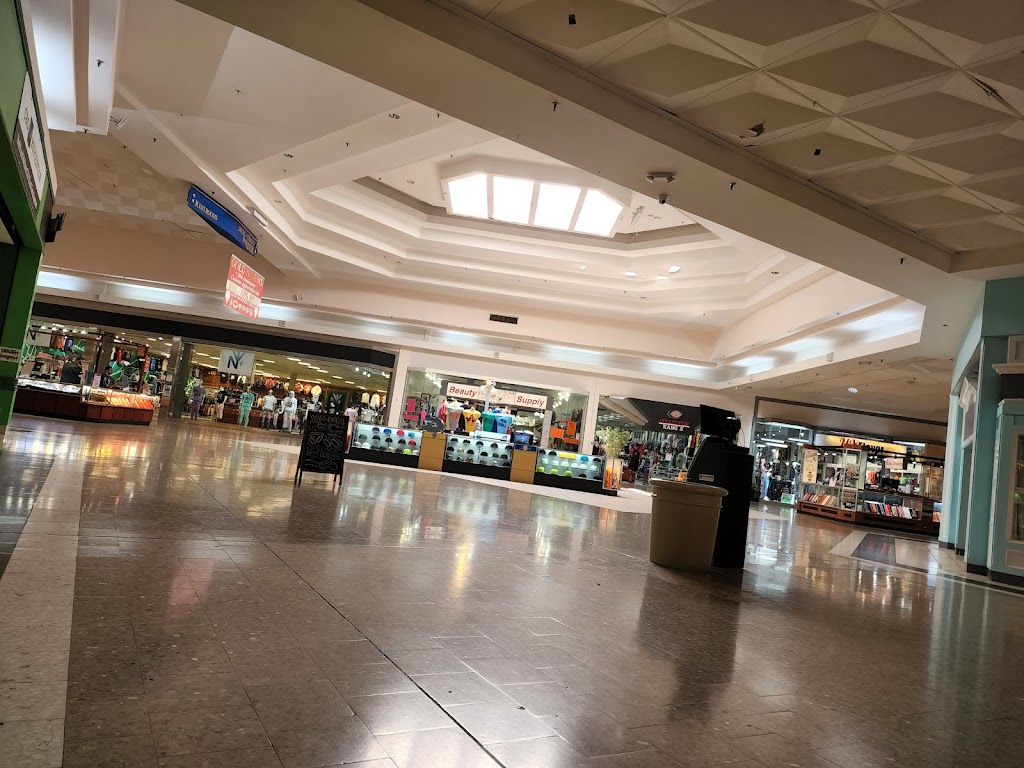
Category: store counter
[71,401]
[477,455]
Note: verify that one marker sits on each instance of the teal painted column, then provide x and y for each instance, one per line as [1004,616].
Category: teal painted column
[951,473]
[19,269]
[979,522]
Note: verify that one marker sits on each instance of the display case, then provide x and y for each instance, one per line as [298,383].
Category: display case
[575,471]
[71,401]
[385,445]
[478,456]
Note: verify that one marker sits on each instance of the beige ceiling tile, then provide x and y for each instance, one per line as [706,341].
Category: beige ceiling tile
[819,152]
[987,22]
[1009,71]
[928,114]
[596,20]
[978,234]
[883,182]
[738,115]
[670,70]
[1008,188]
[861,67]
[931,211]
[768,23]
[982,154]
[479,7]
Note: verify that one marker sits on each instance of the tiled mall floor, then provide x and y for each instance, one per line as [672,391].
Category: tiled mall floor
[173,600]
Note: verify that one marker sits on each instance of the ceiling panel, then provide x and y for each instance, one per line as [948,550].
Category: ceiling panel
[768,23]
[983,154]
[930,114]
[883,182]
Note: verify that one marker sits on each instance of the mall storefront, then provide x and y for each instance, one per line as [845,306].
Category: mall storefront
[100,366]
[826,467]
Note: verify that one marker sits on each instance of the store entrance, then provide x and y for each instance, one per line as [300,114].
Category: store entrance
[261,389]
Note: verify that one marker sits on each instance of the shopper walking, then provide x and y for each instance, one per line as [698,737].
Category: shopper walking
[198,396]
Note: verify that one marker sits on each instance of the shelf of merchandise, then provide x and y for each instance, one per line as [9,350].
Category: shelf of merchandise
[385,445]
[924,523]
[574,471]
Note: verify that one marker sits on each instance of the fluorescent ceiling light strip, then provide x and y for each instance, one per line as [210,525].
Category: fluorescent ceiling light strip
[598,214]
[468,195]
[512,199]
[556,203]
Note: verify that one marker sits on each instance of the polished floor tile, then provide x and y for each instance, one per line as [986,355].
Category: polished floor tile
[172,599]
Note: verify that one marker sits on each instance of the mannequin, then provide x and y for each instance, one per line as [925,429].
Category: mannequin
[245,402]
[269,415]
[472,416]
[222,397]
[289,407]
[453,415]
[375,401]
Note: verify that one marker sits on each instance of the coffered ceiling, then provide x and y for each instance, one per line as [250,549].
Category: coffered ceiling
[348,176]
[911,109]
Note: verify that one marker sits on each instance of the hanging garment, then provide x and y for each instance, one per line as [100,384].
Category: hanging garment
[472,416]
[453,416]
[365,399]
[375,401]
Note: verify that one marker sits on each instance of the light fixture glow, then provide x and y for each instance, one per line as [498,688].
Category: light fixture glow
[512,199]
[661,277]
[269,361]
[598,214]
[673,269]
[632,274]
[852,390]
[295,359]
[556,203]
[468,195]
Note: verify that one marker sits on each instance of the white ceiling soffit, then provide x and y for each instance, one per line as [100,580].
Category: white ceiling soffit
[76,48]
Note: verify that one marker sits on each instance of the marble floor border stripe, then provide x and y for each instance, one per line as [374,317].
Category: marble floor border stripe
[36,603]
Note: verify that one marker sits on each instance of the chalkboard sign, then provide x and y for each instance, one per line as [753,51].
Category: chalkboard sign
[323,445]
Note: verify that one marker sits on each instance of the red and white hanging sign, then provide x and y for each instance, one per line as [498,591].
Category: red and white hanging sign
[244,289]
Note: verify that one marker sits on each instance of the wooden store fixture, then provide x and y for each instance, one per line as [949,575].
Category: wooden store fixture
[924,524]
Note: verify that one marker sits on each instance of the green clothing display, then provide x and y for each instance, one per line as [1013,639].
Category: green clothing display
[246,400]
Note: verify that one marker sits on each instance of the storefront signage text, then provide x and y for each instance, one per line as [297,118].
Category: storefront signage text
[498,396]
[857,443]
[244,289]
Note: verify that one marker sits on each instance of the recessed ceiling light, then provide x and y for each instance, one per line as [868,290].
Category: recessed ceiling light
[512,199]
[335,377]
[598,214]
[556,203]
[852,390]
[661,277]
[146,339]
[468,195]
[673,269]
[349,382]
[269,361]
[583,266]
[357,370]
[632,274]
[295,359]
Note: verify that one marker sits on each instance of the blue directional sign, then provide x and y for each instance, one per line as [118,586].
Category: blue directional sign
[221,219]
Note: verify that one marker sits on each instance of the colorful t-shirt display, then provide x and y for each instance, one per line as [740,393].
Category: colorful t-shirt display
[453,416]
[502,422]
[487,422]
[472,417]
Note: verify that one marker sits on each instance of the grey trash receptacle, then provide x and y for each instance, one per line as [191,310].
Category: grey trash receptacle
[684,522]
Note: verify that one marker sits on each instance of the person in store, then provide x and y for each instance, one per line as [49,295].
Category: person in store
[107,378]
[245,401]
[766,477]
[219,401]
[198,397]
[597,449]
[71,373]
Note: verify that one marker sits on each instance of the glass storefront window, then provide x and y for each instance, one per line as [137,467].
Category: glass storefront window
[1018,492]
[778,459]
[426,390]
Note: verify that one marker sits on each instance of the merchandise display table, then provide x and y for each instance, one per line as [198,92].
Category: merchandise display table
[70,401]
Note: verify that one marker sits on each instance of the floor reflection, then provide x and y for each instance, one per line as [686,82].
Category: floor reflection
[532,629]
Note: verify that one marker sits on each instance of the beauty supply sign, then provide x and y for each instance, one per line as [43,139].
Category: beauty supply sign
[244,289]
[498,397]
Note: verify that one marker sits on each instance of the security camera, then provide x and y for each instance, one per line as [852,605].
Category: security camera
[663,199]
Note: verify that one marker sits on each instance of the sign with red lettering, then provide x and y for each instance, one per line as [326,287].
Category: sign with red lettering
[244,289]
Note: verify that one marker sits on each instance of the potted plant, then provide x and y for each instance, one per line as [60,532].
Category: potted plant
[614,439]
